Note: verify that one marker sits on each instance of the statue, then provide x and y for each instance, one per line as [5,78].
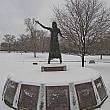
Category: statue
[54,51]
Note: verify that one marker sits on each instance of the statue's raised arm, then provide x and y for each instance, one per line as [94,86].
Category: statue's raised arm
[48,28]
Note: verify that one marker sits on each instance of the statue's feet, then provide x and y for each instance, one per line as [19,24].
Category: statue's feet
[60,62]
[48,62]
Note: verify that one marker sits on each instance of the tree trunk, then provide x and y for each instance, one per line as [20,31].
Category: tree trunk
[35,54]
[101,56]
[82,60]
[9,50]
[83,50]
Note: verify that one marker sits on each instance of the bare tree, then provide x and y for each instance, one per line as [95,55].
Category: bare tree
[67,46]
[23,42]
[9,40]
[42,40]
[31,27]
[83,22]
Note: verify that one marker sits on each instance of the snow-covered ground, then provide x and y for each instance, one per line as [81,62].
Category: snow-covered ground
[11,62]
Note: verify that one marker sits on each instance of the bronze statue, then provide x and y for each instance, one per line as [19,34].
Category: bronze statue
[54,51]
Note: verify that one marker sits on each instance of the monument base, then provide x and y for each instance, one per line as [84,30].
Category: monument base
[74,89]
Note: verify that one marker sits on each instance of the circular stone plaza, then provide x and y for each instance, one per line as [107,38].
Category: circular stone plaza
[54,87]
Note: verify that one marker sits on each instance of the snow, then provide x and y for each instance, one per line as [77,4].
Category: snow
[20,67]
[29,73]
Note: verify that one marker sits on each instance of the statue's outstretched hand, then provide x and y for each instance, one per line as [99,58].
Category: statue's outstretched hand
[37,21]
[66,38]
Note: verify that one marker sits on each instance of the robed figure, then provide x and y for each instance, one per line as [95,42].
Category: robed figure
[54,51]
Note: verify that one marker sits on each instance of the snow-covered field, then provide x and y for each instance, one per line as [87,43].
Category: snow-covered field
[9,62]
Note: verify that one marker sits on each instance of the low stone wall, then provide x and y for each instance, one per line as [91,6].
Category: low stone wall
[72,96]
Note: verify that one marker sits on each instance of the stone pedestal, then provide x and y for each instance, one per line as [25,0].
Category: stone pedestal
[53,68]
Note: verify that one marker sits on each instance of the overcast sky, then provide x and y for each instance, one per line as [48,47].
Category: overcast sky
[13,13]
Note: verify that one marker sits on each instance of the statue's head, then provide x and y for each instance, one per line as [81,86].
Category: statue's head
[54,25]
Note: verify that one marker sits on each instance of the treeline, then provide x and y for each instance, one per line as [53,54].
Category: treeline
[40,43]
[26,43]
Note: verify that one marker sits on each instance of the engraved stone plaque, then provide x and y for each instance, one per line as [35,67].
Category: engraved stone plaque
[100,88]
[10,92]
[57,98]
[28,97]
[86,96]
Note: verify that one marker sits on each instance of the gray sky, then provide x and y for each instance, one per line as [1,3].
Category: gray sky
[13,13]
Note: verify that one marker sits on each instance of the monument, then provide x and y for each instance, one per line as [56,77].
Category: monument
[54,86]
